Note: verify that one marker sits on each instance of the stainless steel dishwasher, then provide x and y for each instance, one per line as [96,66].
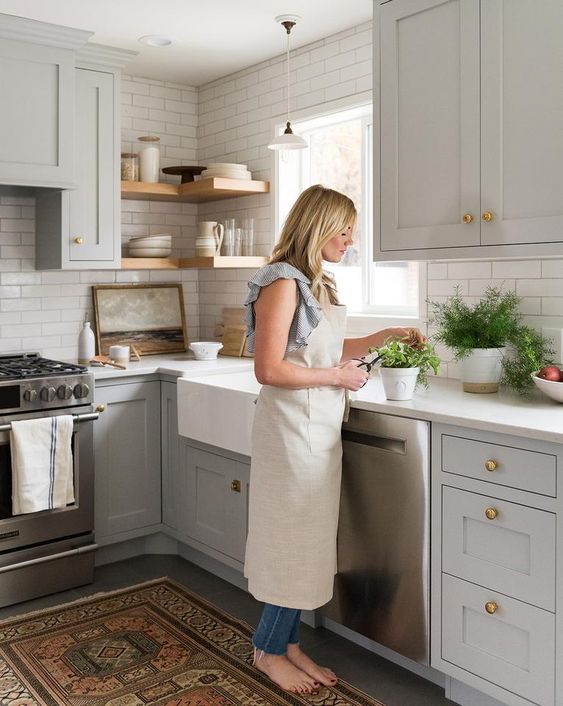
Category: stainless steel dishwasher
[382,585]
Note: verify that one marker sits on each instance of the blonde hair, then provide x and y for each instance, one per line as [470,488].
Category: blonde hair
[317,216]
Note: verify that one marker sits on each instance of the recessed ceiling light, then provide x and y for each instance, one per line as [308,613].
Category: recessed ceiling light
[155,40]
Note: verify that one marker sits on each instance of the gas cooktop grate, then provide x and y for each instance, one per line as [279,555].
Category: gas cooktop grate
[33,366]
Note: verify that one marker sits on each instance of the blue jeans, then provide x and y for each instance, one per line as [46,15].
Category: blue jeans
[277,628]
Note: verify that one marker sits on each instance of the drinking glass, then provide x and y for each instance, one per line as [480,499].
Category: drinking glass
[238,241]
[229,237]
[248,236]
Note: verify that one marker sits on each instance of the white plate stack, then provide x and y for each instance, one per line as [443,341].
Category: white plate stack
[151,246]
[226,170]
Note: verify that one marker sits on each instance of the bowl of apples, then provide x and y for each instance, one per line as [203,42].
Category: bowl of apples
[550,381]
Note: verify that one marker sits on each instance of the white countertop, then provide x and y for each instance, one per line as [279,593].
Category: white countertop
[536,417]
[174,364]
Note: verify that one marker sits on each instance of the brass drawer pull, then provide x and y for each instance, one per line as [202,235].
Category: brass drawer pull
[491,607]
[487,216]
[79,241]
[491,465]
[491,513]
[467,218]
[235,486]
[101,408]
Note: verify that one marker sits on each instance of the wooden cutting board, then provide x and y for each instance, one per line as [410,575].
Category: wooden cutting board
[232,332]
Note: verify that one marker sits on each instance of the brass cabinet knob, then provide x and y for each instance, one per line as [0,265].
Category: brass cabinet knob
[101,408]
[491,465]
[235,486]
[491,607]
[79,241]
[491,513]
[467,218]
[487,216]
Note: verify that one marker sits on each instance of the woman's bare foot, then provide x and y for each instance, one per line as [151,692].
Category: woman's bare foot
[322,674]
[285,674]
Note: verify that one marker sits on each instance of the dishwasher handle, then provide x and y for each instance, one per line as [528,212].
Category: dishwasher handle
[398,446]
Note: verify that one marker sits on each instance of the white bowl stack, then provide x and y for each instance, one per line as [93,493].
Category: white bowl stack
[151,246]
[226,170]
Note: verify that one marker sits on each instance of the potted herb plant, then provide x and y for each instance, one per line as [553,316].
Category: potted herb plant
[489,340]
[405,365]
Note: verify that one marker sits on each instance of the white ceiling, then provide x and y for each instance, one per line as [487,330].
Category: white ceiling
[212,38]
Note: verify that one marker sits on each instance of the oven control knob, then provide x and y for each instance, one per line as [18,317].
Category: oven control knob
[30,395]
[81,391]
[64,392]
[48,394]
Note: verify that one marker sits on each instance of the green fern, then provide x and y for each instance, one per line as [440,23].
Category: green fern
[494,321]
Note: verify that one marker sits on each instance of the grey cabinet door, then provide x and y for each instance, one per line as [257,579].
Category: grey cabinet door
[169,453]
[429,112]
[79,228]
[37,114]
[215,501]
[93,203]
[127,459]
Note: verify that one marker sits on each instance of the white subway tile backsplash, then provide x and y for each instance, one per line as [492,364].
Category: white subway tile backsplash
[517,268]
[552,268]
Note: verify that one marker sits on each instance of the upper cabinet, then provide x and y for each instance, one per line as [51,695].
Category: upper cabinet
[470,144]
[37,116]
[79,228]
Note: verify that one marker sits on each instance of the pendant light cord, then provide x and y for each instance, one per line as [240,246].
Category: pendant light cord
[288,81]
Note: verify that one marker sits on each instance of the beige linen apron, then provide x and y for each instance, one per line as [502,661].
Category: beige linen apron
[295,480]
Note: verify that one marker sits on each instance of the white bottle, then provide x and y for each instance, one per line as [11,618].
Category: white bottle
[86,344]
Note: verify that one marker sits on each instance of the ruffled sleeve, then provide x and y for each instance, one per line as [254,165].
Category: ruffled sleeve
[307,314]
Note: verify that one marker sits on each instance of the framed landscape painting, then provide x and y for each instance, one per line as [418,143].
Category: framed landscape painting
[149,316]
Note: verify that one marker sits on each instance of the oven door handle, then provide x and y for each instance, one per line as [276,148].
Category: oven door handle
[76,418]
[49,557]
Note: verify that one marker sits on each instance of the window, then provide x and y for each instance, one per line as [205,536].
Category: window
[340,157]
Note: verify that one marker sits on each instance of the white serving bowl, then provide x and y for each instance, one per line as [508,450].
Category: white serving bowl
[226,174]
[205,350]
[227,165]
[149,252]
[151,241]
[549,387]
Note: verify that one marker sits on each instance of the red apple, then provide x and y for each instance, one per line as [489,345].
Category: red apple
[551,372]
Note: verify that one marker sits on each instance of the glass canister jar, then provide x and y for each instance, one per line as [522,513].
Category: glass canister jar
[149,158]
[129,166]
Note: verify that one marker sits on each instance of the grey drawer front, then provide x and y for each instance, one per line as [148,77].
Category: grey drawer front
[532,471]
[513,648]
[514,553]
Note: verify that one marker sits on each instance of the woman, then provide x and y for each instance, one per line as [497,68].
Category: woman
[296,330]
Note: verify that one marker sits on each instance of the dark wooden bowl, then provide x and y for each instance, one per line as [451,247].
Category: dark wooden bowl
[187,173]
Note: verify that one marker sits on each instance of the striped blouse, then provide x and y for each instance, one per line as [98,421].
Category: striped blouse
[307,314]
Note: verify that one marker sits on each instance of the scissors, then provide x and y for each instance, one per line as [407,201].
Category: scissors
[367,364]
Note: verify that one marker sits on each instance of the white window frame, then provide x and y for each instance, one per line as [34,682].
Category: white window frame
[367,321]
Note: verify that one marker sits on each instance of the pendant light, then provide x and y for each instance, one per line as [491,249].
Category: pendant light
[288,141]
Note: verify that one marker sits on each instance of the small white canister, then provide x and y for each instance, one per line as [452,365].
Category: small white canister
[119,355]
[149,159]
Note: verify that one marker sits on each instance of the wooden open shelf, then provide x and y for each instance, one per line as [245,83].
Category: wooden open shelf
[212,189]
[170,263]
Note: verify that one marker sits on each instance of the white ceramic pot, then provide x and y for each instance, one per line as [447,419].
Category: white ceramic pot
[399,383]
[481,370]
[205,350]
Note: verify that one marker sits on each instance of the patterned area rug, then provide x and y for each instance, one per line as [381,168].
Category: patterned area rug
[154,643]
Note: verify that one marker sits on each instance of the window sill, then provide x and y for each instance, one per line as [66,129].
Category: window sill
[364,324]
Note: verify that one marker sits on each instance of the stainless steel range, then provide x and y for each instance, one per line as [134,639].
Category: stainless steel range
[49,551]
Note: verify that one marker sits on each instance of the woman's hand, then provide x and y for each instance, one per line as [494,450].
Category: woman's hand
[414,336]
[350,377]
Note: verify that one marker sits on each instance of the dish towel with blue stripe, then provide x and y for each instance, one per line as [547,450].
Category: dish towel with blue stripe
[42,477]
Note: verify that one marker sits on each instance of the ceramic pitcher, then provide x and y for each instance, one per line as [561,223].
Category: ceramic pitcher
[208,242]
